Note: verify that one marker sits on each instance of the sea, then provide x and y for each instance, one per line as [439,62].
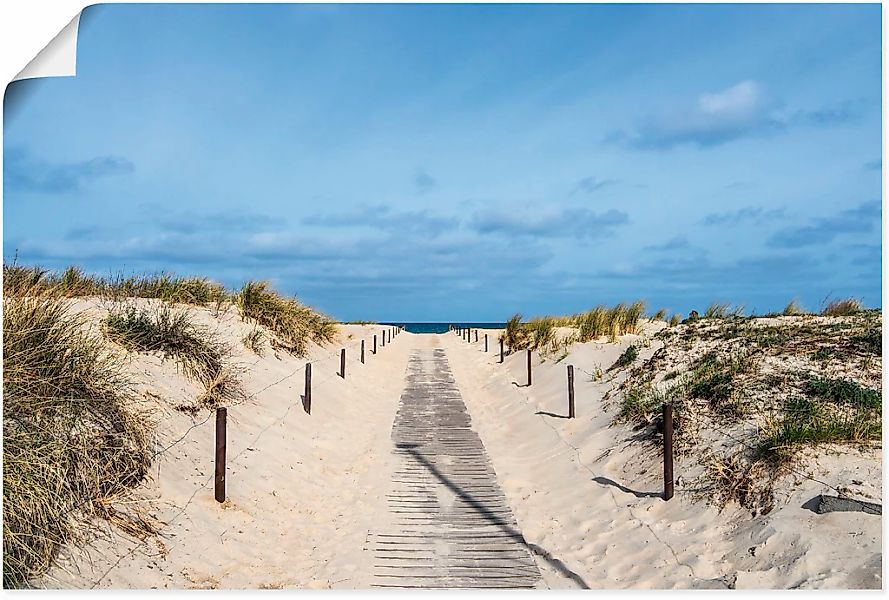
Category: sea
[443,327]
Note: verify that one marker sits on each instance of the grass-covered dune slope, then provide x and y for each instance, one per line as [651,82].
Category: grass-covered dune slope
[751,395]
[76,435]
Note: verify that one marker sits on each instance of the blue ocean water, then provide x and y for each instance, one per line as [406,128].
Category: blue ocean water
[443,327]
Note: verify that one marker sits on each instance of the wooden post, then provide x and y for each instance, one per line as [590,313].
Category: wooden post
[529,367]
[221,413]
[486,342]
[384,339]
[668,450]
[375,344]
[501,350]
[308,393]
[476,335]
[343,363]
[570,391]
[362,352]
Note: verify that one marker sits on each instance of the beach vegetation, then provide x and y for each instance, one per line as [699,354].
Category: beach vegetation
[196,350]
[626,358]
[293,323]
[723,310]
[72,438]
[793,309]
[253,341]
[842,308]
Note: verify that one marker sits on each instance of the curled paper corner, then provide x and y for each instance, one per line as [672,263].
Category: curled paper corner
[58,58]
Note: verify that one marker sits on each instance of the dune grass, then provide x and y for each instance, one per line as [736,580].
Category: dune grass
[253,341]
[71,437]
[723,310]
[294,323]
[196,350]
[600,321]
[813,420]
[540,333]
[842,308]
[626,358]
[794,309]
[73,282]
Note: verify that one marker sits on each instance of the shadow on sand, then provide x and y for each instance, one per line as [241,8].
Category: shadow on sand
[623,488]
[549,414]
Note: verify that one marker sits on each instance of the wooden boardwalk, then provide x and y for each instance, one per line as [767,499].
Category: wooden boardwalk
[451,524]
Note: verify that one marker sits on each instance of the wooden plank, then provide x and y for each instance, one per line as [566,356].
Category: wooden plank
[456,529]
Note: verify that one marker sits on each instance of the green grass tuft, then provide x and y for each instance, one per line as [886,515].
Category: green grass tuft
[626,358]
[843,391]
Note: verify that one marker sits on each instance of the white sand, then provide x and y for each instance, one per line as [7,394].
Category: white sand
[304,491]
[610,537]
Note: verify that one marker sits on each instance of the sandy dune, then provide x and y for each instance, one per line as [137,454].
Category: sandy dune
[304,491]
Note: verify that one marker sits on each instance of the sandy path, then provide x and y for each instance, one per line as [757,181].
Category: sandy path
[450,525]
[586,494]
[591,520]
[302,490]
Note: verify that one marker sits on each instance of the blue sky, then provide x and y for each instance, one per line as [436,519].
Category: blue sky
[448,162]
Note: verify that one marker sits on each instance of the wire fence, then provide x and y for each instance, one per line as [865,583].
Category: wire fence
[722,430]
[162,450]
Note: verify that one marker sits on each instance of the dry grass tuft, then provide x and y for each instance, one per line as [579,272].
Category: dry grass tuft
[197,351]
[794,309]
[254,340]
[74,283]
[293,323]
[71,438]
[842,308]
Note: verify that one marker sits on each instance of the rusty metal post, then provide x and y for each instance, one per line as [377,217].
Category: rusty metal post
[307,402]
[668,450]
[529,367]
[362,352]
[343,363]
[221,414]
[570,391]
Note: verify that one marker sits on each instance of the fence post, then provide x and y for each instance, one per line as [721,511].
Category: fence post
[476,335]
[343,363]
[486,342]
[307,402]
[221,413]
[362,352]
[570,391]
[529,367]
[383,345]
[501,350]
[668,450]
[375,344]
